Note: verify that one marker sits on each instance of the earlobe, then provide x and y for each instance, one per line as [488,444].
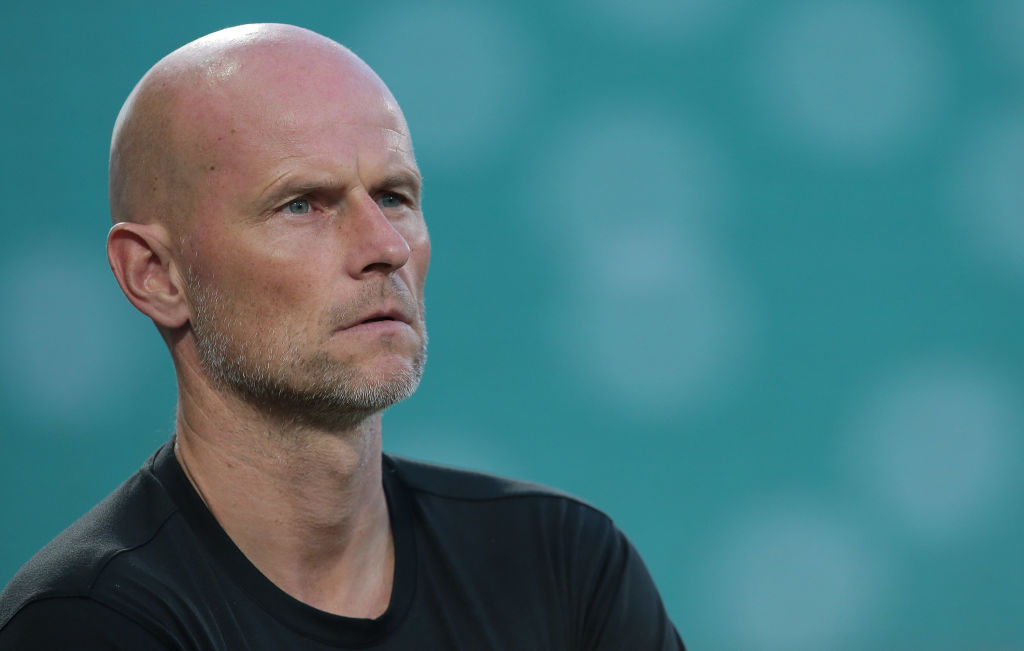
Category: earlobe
[145,270]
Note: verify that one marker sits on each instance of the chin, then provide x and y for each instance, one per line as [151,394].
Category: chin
[391,374]
[400,377]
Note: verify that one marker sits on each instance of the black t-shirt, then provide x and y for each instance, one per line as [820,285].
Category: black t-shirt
[480,563]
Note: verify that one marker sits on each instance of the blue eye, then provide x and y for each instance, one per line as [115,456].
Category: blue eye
[298,207]
[390,200]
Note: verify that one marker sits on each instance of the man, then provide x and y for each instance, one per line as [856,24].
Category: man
[267,219]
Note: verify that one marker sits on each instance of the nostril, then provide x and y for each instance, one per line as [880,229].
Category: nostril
[383,267]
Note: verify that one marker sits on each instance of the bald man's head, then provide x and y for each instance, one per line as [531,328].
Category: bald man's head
[168,137]
[267,206]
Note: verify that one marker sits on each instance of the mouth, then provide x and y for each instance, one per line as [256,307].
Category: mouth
[384,316]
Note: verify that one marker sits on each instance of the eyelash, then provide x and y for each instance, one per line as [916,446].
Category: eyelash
[401,199]
[307,201]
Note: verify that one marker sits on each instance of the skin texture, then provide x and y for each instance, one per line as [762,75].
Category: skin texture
[266,203]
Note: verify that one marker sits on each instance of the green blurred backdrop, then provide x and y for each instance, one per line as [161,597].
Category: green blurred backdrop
[747,275]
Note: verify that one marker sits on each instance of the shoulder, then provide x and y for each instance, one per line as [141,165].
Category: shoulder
[524,543]
[77,623]
[460,484]
[498,506]
[72,563]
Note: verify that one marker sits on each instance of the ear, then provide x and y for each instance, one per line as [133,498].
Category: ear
[142,263]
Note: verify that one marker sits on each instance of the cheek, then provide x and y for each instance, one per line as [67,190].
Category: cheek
[258,286]
[281,288]
[419,262]
[419,242]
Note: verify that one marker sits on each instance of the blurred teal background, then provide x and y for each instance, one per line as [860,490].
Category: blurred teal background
[747,275]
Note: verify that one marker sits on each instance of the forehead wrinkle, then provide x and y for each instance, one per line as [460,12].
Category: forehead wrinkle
[280,140]
[329,164]
[266,189]
[381,127]
[293,131]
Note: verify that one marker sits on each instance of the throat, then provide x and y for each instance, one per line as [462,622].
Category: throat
[358,586]
[314,521]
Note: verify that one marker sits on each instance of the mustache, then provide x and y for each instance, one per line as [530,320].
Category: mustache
[372,296]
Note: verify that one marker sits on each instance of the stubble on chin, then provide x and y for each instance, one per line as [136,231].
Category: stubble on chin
[268,371]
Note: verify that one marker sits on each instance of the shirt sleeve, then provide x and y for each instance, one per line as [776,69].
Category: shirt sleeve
[622,607]
[77,623]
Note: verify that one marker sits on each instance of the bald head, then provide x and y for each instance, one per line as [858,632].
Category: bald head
[179,125]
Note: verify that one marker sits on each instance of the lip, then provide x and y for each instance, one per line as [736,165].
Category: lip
[382,319]
[380,327]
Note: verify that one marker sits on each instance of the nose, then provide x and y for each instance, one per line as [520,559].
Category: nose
[373,242]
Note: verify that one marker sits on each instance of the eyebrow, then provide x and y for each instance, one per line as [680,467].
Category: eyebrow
[399,180]
[300,186]
[277,190]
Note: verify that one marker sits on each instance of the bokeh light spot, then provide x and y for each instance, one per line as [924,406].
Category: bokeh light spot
[852,79]
[667,21]
[59,336]
[470,74]
[659,325]
[625,163]
[934,445]
[455,446]
[1004,23]
[989,192]
[632,197]
[791,576]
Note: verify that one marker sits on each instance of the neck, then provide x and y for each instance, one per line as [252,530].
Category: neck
[306,506]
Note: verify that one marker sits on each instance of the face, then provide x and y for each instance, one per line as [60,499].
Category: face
[307,252]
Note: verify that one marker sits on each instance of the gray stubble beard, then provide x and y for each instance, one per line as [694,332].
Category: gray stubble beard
[314,391]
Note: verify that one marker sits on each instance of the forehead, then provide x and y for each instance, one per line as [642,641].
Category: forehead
[280,104]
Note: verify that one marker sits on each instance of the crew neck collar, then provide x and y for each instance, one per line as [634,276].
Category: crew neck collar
[302,618]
